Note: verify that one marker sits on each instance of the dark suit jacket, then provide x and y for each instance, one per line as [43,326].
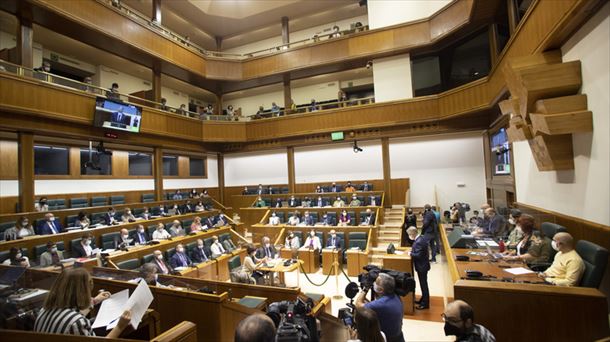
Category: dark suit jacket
[430,225]
[159,269]
[329,221]
[141,239]
[107,218]
[206,221]
[260,253]
[372,220]
[188,208]
[308,220]
[337,245]
[497,225]
[44,229]
[320,203]
[419,254]
[293,202]
[410,221]
[118,241]
[78,251]
[197,254]
[176,262]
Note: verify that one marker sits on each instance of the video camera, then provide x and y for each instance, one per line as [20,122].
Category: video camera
[404,281]
[293,321]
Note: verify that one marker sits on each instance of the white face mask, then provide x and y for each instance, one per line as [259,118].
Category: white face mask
[141,231]
[511,220]
[128,212]
[312,234]
[200,246]
[554,245]
[54,250]
[267,245]
[125,236]
[87,242]
[180,250]
[376,288]
[160,256]
[18,256]
[51,219]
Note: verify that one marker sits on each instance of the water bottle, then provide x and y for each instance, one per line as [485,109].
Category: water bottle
[502,246]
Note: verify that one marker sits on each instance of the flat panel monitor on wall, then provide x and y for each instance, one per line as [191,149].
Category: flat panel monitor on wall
[117,115]
[500,153]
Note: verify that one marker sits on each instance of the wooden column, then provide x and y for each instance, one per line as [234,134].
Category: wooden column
[156,82]
[26,171]
[512,16]
[218,107]
[156,11]
[291,175]
[158,173]
[218,43]
[25,36]
[287,94]
[221,177]
[285,31]
[387,177]
[493,43]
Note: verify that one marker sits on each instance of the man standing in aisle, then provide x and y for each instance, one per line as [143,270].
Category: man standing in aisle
[430,230]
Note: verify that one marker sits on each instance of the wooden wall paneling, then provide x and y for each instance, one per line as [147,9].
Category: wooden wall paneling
[413,35]
[158,173]
[332,50]
[218,131]
[400,187]
[183,166]
[8,160]
[291,174]
[387,174]
[75,162]
[221,177]
[26,170]
[120,164]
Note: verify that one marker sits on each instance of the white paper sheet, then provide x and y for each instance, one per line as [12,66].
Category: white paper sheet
[139,302]
[518,270]
[111,309]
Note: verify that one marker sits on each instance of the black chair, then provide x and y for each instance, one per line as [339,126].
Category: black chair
[6,225]
[595,258]
[109,238]
[130,264]
[120,199]
[549,229]
[80,202]
[148,258]
[148,198]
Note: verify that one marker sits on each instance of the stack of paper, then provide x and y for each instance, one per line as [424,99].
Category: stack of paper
[113,307]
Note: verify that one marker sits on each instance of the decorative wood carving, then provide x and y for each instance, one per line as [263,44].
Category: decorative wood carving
[545,108]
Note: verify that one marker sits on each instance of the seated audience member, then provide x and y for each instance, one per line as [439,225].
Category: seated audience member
[16,258]
[320,202]
[199,207]
[497,223]
[366,186]
[230,111]
[49,225]
[515,232]
[221,221]
[531,248]
[82,221]
[260,190]
[259,113]
[160,233]
[41,205]
[209,110]
[45,67]
[336,32]
[387,306]
[216,248]
[162,266]
[312,241]
[113,92]
[338,203]
[459,322]
[293,106]
[207,223]
[194,193]
[454,214]
[292,241]
[177,195]
[174,210]
[568,267]
[484,222]
[128,216]
[334,187]
[278,203]
[163,211]
[306,202]
[251,262]
[293,220]
[88,81]
[201,253]
[293,202]
[141,237]
[51,256]
[148,273]
[255,328]
[176,229]
[275,109]
[349,187]
[21,229]
[182,110]
[475,218]
[267,249]
[355,201]
[326,220]
[274,220]
[164,104]
[319,189]
[369,218]
[180,259]
[260,203]
[245,191]
[188,207]
[373,201]
[146,214]
[196,226]
[123,240]
[110,217]
[344,219]
[307,219]
[333,240]
[270,190]
[313,105]
[366,327]
[83,249]
[68,303]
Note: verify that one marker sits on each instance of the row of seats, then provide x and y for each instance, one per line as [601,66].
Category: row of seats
[326,201]
[131,264]
[284,190]
[331,214]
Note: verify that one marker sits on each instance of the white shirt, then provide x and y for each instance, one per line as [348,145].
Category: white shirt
[217,249]
[316,242]
[274,220]
[292,243]
[293,220]
[161,235]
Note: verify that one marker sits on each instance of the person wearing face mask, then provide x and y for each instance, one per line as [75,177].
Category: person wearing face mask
[344,219]
[293,220]
[410,221]
[160,233]
[162,266]
[163,211]
[339,202]
[199,207]
[123,240]
[196,226]
[306,203]
[419,255]
[312,241]
[355,201]
[516,233]
[349,187]
[387,306]
[267,249]
[49,225]
[292,241]
[128,216]
[188,207]
[320,202]
[180,258]
[366,186]
[174,210]
[216,248]
[82,221]
[293,202]
[176,229]
[531,248]
[110,217]
[274,220]
[373,201]
[260,203]
[201,253]
[334,188]
[567,268]
[16,258]
[146,215]
[84,248]
[245,191]
[148,273]
[319,189]
[41,205]
[333,240]
[141,237]
[278,203]
[477,220]
[369,218]
[251,262]
[221,221]
[307,219]
[459,322]
[51,256]
[22,229]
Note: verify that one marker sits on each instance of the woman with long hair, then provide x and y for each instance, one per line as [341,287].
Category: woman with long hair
[366,327]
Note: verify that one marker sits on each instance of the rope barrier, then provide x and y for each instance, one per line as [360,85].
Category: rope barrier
[345,274]
[325,280]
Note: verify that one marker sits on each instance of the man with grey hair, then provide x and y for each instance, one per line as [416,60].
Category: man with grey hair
[567,268]
[459,322]
[255,328]
[419,254]
[387,306]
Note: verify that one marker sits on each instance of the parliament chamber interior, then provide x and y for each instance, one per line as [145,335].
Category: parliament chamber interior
[304,170]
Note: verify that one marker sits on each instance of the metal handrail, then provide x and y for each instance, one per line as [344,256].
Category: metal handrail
[305,108]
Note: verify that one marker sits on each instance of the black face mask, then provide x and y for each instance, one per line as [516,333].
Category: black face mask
[451,329]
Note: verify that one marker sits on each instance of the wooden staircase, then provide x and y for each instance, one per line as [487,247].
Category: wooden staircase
[389,232]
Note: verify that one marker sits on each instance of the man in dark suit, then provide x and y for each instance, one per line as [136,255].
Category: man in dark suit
[162,266]
[320,202]
[84,249]
[110,217]
[430,230]
[333,240]
[49,226]
[207,221]
[497,223]
[419,255]
[327,220]
[368,219]
[366,186]
[293,202]
[335,188]
[307,219]
[410,221]
[123,240]
[180,258]
[141,237]
[188,207]
[266,249]
[201,253]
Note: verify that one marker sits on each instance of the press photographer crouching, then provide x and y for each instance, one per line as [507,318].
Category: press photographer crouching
[293,321]
[387,306]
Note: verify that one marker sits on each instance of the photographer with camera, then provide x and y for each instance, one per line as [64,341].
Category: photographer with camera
[366,327]
[387,306]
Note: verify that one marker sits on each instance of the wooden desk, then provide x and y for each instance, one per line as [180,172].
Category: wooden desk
[356,260]
[492,270]
[329,257]
[310,258]
[401,263]
[281,269]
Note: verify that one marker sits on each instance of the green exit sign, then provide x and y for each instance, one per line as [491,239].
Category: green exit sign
[336,136]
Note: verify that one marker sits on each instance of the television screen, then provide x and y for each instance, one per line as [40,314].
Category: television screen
[117,115]
[336,136]
[500,153]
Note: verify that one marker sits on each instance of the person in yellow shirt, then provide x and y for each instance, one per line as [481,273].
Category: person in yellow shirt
[567,267]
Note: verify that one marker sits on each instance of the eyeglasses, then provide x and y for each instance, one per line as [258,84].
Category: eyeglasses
[449,319]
